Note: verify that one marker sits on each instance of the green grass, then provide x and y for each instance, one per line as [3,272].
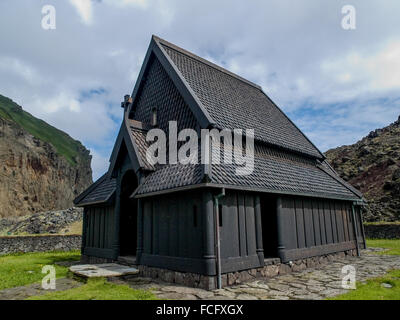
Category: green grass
[98,289]
[22,269]
[373,290]
[69,148]
[392,245]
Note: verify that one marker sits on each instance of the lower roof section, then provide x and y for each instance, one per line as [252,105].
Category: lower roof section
[99,192]
[169,177]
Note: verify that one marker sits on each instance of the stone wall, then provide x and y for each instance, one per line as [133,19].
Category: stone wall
[24,244]
[382,231]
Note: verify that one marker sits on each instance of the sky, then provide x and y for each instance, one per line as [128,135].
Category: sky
[336,84]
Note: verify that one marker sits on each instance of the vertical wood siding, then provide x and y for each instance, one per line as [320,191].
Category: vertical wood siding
[169,227]
[312,223]
[99,227]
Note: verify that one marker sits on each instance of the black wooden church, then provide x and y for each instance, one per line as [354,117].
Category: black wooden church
[204,219]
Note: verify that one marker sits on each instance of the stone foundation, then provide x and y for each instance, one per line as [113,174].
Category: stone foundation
[272,268]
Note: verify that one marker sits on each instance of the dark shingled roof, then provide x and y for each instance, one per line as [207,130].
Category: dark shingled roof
[99,192]
[171,176]
[139,137]
[280,172]
[235,103]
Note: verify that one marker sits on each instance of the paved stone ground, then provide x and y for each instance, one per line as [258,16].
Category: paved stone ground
[21,293]
[311,284]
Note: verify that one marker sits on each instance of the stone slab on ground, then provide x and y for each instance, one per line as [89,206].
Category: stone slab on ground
[102,270]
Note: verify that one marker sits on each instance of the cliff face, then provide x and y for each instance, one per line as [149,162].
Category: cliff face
[35,174]
[372,165]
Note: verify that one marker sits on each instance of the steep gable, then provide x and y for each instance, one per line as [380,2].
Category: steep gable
[158,91]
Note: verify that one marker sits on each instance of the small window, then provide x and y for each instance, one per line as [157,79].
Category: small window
[154,117]
[220,215]
[195,216]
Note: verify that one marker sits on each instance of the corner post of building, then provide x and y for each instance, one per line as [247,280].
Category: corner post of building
[139,248]
[281,229]
[208,234]
[259,241]
[84,230]
[362,227]
[355,229]
[116,244]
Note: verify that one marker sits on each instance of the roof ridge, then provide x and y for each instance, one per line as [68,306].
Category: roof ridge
[202,60]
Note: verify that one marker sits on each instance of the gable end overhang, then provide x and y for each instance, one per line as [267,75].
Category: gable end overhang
[125,136]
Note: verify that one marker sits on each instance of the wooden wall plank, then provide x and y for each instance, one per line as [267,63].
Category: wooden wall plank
[308,223]
[242,224]
[350,223]
[173,226]
[333,220]
[229,230]
[289,223]
[316,223]
[250,224]
[155,225]
[328,222]
[322,222]
[299,216]
[345,222]
[147,226]
[339,221]
[162,222]
[182,228]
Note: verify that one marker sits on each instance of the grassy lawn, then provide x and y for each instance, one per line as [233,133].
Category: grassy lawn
[99,289]
[26,268]
[22,269]
[392,245]
[373,289]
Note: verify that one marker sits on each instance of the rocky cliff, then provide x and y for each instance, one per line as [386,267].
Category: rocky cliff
[41,167]
[372,165]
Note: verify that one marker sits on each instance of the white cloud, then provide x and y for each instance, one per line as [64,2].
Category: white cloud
[124,3]
[84,9]
[19,68]
[100,164]
[377,71]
